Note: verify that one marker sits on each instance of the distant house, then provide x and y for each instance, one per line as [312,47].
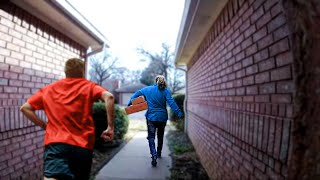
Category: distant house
[127,91]
[36,38]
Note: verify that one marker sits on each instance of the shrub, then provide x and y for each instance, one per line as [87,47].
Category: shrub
[179,123]
[99,115]
[121,123]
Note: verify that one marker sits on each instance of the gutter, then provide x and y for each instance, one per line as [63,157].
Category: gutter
[189,14]
[66,7]
[88,54]
[62,16]
[198,17]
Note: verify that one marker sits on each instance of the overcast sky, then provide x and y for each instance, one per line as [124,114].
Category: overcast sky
[129,24]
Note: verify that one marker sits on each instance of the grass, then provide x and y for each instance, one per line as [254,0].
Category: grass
[185,161]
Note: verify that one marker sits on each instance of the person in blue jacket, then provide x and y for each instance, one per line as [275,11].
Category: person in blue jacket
[157,97]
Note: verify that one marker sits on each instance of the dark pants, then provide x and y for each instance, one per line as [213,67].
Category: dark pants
[63,161]
[154,126]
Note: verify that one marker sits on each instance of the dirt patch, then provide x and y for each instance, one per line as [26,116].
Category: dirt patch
[185,162]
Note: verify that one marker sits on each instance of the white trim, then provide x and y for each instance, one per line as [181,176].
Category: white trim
[62,16]
[198,17]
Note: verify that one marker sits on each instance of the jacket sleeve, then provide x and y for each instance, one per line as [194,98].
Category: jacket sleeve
[135,95]
[173,105]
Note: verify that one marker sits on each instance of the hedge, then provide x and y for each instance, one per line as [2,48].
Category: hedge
[99,115]
[179,123]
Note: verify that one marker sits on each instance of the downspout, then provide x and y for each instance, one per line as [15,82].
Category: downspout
[86,56]
[185,102]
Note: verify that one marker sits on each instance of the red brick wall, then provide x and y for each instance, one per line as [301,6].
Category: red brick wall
[240,92]
[32,55]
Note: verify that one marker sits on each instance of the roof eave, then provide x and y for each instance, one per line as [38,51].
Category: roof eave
[197,19]
[61,15]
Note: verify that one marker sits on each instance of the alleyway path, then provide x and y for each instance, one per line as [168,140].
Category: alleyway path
[133,161]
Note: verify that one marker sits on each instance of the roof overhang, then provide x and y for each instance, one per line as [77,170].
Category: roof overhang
[61,15]
[198,17]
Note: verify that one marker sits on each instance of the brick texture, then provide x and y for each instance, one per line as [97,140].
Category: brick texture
[29,60]
[240,91]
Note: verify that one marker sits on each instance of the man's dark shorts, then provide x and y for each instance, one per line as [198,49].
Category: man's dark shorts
[63,161]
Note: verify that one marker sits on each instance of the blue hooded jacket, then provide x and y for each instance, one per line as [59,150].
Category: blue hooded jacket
[157,99]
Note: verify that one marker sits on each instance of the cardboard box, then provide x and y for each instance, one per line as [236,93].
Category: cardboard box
[138,100]
[136,108]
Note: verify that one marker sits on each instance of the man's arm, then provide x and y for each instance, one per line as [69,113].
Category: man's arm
[108,98]
[27,110]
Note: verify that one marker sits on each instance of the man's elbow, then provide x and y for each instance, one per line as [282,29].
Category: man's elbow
[24,107]
[107,97]
[111,97]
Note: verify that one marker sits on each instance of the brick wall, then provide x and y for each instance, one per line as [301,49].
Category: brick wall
[240,93]
[32,55]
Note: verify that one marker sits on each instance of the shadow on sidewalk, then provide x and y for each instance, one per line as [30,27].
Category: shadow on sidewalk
[133,162]
[103,155]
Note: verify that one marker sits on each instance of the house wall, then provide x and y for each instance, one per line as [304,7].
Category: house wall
[32,55]
[240,93]
[125,97]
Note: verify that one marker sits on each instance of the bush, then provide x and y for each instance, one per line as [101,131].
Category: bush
[99,115]
[121,123]
[178,123]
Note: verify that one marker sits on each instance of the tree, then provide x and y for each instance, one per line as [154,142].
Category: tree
[102,67]
[127,76]
[121,74]
[176,81]
[161,61]
[162,64]
[135,76]
[148,75]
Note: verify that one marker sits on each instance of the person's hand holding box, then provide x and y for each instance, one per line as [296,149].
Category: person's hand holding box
[138,104]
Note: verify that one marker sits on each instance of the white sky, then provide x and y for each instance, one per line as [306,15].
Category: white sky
[129,24]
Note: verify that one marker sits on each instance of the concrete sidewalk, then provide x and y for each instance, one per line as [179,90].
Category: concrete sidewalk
[133,162]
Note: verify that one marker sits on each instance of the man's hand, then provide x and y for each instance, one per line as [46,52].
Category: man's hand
[107,135]
[44,126]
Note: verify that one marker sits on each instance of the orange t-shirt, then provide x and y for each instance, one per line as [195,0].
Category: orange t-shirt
[68,106]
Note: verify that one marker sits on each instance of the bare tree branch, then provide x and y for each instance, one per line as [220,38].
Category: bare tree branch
[102,67]
[161,63]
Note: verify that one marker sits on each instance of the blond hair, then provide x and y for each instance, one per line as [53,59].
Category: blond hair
[161,82]
[74,68]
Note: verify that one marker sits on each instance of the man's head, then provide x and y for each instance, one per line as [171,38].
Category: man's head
[160,81]
[74,68]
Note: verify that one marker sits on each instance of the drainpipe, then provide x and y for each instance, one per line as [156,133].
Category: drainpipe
[90,54]
[185,102]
